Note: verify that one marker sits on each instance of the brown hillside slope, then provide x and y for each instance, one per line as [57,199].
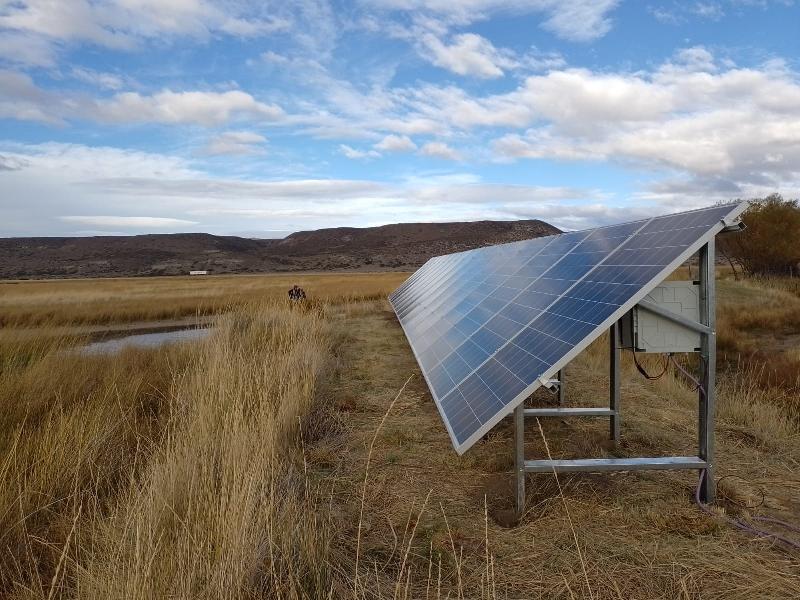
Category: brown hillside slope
[399,246]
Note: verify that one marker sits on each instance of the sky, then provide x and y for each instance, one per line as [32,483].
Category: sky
[259,118]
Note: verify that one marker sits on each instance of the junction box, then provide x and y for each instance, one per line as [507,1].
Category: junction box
[643,330]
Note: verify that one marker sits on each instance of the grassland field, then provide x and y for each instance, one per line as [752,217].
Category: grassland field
[296,453]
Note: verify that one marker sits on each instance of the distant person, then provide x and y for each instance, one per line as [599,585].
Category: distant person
[297,293]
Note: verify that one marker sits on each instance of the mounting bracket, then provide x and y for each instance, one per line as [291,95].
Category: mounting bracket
[704,461]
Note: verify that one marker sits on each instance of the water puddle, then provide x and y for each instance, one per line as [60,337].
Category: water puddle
[146,340]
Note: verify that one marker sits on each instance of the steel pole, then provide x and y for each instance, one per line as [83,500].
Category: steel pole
[613,380]
[519,456]
[708,353]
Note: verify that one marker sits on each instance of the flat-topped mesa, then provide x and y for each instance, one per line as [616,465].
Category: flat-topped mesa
[403,246]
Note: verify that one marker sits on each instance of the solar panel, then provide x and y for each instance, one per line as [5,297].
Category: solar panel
[488,326]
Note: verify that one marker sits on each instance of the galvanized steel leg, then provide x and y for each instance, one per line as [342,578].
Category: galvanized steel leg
[519,456]
[613,380]
[708,353]
[561,388]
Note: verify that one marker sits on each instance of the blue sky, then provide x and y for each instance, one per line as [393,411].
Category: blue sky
[258,118]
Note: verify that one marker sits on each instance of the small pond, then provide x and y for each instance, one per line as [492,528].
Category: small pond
[145,340]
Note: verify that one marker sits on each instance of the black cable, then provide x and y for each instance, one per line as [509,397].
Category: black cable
[740,523]
[698,386]
[745,526]
[641,369]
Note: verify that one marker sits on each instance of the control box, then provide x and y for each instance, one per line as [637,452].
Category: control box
[644,331]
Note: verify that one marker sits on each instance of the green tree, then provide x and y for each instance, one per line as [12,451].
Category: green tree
[771,243]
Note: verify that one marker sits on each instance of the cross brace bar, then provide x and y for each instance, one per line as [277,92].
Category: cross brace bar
[593,465]
[569,412]
[674,317]
[705,455]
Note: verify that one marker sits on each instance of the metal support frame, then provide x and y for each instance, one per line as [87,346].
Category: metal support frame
[708,364]
[598,465]
[568,412]
[613,380]
[674,317]
[704,461]
[519,456]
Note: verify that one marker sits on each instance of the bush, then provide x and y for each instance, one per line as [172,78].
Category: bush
[771,243]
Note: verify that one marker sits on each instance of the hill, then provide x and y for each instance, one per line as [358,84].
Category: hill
[389,247]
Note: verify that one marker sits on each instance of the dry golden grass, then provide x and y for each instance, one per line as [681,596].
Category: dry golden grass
[758,329]
[236,468]
[760,304]
[175,472]
[787,284]
[101,301]
[223,510]
[73,430]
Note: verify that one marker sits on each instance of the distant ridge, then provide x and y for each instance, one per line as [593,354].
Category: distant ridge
[389,247]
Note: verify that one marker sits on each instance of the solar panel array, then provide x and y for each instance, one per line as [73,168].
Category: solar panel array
[488,325]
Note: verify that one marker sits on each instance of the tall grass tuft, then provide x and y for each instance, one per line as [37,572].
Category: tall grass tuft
[224,510]
[768,413]
[170,473]
[73,429]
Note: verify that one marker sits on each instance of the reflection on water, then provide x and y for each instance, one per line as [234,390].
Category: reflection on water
[145,340]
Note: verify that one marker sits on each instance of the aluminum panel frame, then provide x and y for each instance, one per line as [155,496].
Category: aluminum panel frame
[460,447]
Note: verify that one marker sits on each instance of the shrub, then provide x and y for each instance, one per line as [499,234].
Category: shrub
[771,243]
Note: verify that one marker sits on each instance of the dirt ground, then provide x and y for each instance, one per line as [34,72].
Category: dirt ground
[438,525]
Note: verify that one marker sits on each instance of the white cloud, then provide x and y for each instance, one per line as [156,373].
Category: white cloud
[21,98]
[34,32]
[738,125]
[665,15]
[200,187]
[12,163]
[578,99]
[569,215]
[108,81]
[469,54]
[21,48]
[76,20]
[708,10]
[440,150]
[236,143]
[145,191]
[687,60]
[580,20]
[464,53]
[575,20]
[77,162]
[122,23]
[396,143]
[680,12]
[356,154]
[535,61]
[203,108]
[149,191]
[275,58]
[133,222]
[697,121]
[696,115]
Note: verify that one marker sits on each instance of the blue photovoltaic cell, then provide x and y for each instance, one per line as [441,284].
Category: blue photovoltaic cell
[488,324]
